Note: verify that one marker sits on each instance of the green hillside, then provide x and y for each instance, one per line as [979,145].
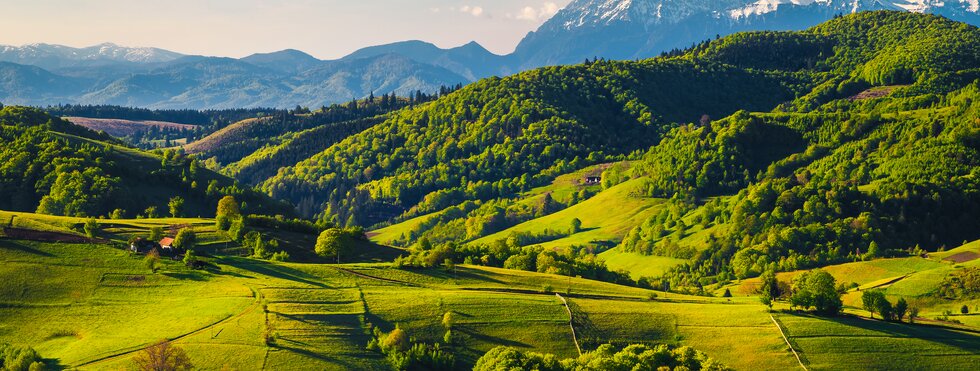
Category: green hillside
[54,167]
[877,159]
[768,200]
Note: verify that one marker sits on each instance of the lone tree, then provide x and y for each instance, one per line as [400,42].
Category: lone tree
[228,210]
[901,307]
[769,291]
[91,228]
[176,205]
[871,301]
[576,226]
[817,289]
[332,242]
[162,357]
[156,233]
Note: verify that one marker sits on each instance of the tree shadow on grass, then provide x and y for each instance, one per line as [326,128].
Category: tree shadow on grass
[273,270]
[53,364]
[6,244]
[957,339]
[490,339]
[328,359]
[190,276]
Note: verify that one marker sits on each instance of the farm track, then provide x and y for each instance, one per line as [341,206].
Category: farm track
[571,323]
[788,343]
[127,351]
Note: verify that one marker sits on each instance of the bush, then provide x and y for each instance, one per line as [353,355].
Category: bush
[186,239]
[281,256]
[19,358]
[156,234]
[396,340]
[152,260]
[91,228]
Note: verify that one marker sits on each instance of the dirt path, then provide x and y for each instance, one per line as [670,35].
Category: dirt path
[128,351]
[571,323]
[798,359]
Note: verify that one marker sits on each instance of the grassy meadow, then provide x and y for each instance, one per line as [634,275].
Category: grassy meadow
[95,306]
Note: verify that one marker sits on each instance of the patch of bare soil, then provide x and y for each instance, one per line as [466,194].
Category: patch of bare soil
[963,257]
[121,128]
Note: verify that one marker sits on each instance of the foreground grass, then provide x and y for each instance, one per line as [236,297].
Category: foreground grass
[93,306]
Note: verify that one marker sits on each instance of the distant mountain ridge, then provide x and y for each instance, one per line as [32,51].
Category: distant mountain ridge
[59,56]
[631,29]
[611,29]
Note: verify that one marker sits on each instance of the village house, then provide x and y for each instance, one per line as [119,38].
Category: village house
[167,243]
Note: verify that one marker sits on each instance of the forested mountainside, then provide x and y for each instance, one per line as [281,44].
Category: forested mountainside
[233,142]
[53,167]
[500,136]
[878,158]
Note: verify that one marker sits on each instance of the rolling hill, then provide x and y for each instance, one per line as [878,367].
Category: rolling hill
[55,167]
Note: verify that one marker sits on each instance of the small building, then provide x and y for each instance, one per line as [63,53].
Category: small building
[593,180]
[141,246]
[167,243]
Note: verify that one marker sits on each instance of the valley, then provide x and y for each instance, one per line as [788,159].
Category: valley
[764,200]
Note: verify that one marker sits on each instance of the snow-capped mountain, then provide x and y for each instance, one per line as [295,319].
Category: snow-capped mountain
[629,29]
[59,56]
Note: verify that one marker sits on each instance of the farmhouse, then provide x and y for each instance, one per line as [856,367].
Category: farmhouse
[142,246]
[167,243]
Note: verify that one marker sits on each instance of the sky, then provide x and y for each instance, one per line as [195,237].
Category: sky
[327,29]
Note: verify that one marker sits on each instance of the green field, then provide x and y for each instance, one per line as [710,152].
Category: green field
[606,217]
[858,343]
[639,265]
[94,306]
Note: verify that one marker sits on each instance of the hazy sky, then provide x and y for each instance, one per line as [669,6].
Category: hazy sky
[326,29]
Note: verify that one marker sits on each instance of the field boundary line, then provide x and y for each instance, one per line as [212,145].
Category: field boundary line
[571,323]
[780,328]
[363,275]
[130,350]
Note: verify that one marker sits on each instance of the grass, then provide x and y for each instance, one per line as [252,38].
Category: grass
[639,265]
[93,306]
[397,231]
[857,343]
[561,189]
[606,217]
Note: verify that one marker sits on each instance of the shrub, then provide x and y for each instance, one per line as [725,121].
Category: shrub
[152,260]
[91,227]
[186,239]
[156,234]
[281,256]
[396,340]
[19,358]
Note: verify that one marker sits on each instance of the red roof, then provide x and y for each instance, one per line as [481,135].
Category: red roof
[167,241]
